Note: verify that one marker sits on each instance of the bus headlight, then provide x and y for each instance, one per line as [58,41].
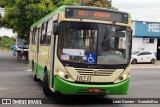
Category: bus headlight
[124,76]
[62,74]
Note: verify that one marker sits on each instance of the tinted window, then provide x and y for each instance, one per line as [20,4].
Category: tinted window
[34,35]
[43,30]
[145,53]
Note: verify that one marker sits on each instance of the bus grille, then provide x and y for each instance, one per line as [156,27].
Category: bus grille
[96,72]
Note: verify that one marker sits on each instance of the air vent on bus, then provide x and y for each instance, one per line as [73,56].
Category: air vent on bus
[95,72]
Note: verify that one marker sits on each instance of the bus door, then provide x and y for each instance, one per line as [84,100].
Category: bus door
[52,60]
[53,41]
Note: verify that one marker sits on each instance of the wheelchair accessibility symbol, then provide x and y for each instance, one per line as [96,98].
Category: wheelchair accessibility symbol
[91,58]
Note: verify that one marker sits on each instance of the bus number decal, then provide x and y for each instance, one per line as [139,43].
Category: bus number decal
[83,78]
[83,13]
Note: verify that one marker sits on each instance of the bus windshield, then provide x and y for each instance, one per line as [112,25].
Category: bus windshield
[94,43]
[21,43]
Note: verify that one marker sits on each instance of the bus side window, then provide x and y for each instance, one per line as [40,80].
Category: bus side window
[30,37]
[48,32]
[43,30]
[55,28]
[34,36]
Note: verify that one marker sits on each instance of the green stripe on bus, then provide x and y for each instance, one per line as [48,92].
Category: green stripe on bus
[66,87]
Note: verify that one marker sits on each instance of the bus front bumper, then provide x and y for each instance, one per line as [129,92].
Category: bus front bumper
[66,87]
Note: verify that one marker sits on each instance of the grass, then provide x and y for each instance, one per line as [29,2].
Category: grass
[3,49]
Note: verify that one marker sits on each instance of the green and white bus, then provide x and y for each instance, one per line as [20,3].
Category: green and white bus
[82,50]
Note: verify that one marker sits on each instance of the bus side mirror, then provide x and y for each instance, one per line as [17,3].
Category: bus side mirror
[55,28]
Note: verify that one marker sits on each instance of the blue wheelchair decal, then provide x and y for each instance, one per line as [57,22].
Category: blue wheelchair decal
[91,58]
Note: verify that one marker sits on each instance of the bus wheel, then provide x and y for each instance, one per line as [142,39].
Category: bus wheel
[33,74]
[46,89]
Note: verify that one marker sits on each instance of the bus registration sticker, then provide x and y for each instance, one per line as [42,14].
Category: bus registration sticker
[65,57]
[73,52]
[83,78]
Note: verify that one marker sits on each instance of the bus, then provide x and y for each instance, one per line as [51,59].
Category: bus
[82,50]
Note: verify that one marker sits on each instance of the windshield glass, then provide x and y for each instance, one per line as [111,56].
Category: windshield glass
[21,43]
[94,43]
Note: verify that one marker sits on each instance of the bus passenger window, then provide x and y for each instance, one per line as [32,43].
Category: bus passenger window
[34,36]
[48,33]
[43,34]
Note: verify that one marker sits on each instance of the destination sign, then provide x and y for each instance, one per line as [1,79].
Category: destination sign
[96,14]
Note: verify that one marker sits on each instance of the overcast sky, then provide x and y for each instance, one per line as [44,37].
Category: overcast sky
[141,10]
[5,32]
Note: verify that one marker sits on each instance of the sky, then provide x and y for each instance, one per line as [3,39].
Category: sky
[4,31]
[140,10]
[7,32]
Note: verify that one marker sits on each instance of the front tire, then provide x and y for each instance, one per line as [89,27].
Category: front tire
[153,61]
[46,89]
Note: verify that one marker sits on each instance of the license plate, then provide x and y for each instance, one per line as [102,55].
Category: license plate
[94,90]
[83,78]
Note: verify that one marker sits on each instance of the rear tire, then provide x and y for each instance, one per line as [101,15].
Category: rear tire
[153,61]
[134,61]
[46,89]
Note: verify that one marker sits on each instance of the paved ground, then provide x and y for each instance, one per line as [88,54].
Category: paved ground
[16,82]
[146,65]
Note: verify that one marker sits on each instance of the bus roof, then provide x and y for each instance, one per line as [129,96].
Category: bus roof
[62,9]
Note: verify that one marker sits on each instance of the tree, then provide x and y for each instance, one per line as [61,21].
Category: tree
[98,3]
[21,14]
[65,2]
[1,19]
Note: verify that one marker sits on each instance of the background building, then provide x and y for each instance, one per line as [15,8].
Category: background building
[146,36]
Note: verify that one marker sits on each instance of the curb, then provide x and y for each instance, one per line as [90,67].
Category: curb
[145,67]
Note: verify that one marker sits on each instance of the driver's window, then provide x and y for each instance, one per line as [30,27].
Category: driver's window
[139,54]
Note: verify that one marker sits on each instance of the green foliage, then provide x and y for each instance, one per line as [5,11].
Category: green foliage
[6,42]
[69,2]
[109,5]
[21,14]
[99,3]
[59,3]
